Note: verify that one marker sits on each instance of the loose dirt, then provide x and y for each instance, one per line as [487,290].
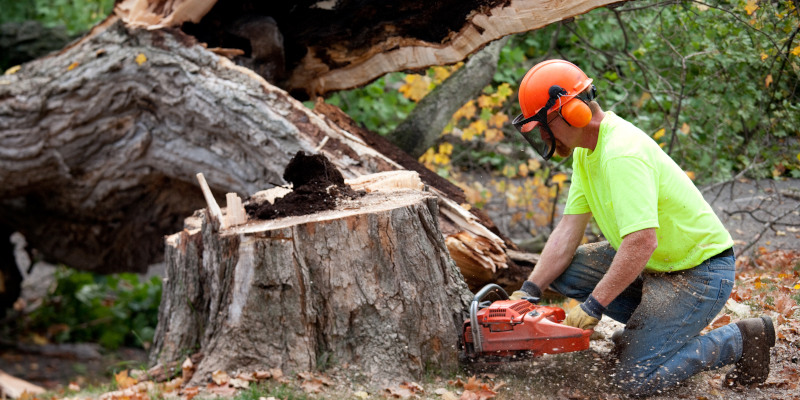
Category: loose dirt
[317,186]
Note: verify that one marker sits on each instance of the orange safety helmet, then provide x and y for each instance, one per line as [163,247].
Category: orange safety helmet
[551,86]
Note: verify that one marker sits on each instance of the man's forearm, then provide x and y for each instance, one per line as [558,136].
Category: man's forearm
[559,249]
[631,258]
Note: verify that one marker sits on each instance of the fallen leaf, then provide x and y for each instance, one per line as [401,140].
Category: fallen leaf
[262,375]
[141,58]
[721,321]
[405,390]
[276,373]
[239,383]
[123,380]
[250,376]
[221,390]
[311,386]
[190,392]
[399,392]
[448,395]
[361,395]
[187,369]
[73,66]
[220,377]
[173,385]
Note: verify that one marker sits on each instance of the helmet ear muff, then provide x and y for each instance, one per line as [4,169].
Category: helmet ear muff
[576,113]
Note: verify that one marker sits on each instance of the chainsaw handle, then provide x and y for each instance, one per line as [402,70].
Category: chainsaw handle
[477,340]
[490,288]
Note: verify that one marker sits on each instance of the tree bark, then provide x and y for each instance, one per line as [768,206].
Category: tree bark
[369,284]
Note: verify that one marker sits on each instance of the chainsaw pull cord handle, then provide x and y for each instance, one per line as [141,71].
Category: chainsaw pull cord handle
[477,340]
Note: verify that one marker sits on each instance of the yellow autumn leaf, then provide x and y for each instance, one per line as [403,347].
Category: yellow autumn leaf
[764,56]
[751,7]
[491,135]
[480,126]
[534,164]
[123,380]
[685,128]
[440,74]
[659,134]
[427,158]
[13,70]
[416,87]
[768,81]
[498,120]
[467,111]
[509,171]
[503,91]
[141,58]
[690,174]
[523,170]
[446,148]
[73,66]
[559,178]
[662,144]
[796,51]
[468,133]
[485,101]
[798,156]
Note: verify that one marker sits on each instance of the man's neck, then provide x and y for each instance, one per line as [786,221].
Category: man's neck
[591,132]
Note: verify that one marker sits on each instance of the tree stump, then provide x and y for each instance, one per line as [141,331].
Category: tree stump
[369,283]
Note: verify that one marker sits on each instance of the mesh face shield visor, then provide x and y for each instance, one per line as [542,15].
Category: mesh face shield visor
[537,133]
[536,130]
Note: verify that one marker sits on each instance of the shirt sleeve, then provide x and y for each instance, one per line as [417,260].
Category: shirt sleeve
[633,185]
[576,200]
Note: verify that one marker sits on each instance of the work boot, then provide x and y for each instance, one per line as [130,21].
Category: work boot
[758,336]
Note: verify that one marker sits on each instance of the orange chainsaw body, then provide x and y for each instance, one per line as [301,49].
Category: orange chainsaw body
[520,328]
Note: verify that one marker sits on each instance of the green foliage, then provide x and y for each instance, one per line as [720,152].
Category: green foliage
[378,106]
[76,15]
[112,310]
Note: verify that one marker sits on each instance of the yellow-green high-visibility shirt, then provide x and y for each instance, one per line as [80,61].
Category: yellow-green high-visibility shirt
[629,183]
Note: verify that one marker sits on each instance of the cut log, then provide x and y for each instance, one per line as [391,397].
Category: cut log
[370,284]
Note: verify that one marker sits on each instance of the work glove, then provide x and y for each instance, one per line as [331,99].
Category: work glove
[528,289]
[586,315]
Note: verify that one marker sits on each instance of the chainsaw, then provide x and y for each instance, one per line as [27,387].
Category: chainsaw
[517,329]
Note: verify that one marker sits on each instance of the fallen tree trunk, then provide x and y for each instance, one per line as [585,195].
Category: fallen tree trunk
[97,141]
[369,283]
[161,123]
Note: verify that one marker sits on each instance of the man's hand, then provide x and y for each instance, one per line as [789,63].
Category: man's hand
[528,289]
[580,319]
[585,315]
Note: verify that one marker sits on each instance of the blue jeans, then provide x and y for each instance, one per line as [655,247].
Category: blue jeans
[664,314]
